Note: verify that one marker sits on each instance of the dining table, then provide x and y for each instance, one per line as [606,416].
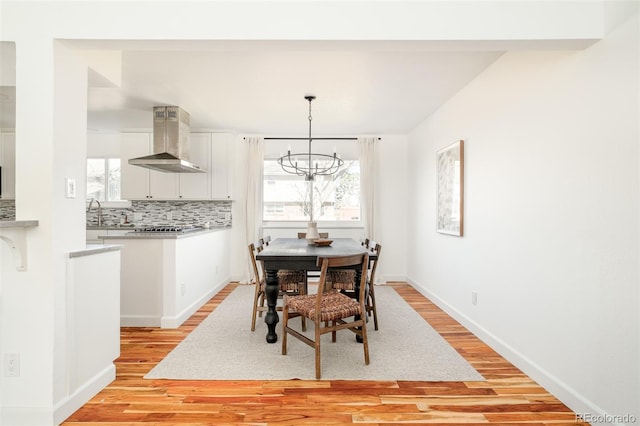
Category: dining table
[300,255]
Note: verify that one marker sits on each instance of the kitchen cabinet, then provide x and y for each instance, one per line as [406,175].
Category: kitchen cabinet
[163,281]
[208,150]
[220,160]
[8,165]
[94,234]
[137,182]
[197,185]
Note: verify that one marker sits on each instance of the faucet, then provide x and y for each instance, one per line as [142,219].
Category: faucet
[99,210]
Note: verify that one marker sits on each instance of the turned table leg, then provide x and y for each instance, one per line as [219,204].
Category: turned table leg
[271,293]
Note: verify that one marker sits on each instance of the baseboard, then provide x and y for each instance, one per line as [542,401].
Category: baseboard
[561,390]
[177,320]
[38,416]
[139,321]
[84,393]
[383,279]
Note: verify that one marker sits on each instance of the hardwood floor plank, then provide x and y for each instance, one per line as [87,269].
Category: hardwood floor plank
[508,396]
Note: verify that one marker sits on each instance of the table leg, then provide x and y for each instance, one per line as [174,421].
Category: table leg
[271,293]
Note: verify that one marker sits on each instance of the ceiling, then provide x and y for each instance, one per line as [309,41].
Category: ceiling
[258,87]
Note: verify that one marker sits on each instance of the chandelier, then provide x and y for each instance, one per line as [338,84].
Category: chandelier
[316,164]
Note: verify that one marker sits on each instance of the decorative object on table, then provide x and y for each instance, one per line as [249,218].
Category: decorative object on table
[322,242]
[312,232]
[450,167]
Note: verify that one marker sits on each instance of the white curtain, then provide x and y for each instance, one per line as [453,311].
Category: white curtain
[367,148]
[253,207]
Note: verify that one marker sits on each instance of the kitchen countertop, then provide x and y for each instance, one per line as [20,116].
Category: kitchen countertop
[95,249]
[112,227]
[161,235]
[18,223]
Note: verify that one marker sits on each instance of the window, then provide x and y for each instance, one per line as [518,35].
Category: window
[103,179]
[336,197]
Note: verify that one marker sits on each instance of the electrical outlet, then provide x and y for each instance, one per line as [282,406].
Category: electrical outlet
[183,289]
[169,215]
[474,297]
[11,365]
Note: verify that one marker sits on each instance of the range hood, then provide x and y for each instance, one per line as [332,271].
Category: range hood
[171,126]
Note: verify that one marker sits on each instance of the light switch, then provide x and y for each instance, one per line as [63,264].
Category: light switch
[70,190]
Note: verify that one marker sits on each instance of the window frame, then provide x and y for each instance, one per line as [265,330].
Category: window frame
[296,224]
[106,203]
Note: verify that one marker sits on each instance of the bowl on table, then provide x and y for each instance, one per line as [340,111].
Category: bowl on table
[322,242]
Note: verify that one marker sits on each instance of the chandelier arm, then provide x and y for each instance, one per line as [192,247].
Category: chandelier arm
[290,168]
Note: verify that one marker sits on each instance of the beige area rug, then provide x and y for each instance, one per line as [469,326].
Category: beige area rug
[223,347]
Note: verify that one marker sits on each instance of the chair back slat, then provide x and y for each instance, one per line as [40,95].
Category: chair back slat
[258,272]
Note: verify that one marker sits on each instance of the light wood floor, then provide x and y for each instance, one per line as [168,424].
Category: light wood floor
[506,397]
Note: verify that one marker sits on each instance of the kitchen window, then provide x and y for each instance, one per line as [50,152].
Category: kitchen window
[103,179]
[336,197]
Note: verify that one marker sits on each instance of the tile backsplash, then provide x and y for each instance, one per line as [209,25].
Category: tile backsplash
[7,210]
[147,213]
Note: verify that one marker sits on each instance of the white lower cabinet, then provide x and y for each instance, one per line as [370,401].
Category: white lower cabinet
[96,236]
[164,281]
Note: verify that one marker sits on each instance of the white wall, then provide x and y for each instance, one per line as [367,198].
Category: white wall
[551,217]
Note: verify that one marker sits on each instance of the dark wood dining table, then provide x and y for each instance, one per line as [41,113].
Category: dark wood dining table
[298,254]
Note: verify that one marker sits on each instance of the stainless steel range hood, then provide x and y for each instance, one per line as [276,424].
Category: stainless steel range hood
[171,126]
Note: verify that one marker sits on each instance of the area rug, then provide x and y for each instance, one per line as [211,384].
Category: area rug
[223,347]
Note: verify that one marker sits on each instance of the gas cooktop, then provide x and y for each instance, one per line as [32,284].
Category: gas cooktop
[169,228]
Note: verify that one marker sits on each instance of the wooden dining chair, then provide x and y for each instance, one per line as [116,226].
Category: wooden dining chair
[370,304]
[328,309]
[288,277]
[344,280]
[286,287]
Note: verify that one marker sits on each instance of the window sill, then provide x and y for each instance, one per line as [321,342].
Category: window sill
[321,224]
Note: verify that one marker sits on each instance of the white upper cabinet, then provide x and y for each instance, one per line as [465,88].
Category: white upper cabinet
[197,186]
[139,183]
[8,165]
[220,160]
[210,151]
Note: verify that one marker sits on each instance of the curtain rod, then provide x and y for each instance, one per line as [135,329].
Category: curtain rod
[306,139]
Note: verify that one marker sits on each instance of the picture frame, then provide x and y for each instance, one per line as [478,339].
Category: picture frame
[450,193]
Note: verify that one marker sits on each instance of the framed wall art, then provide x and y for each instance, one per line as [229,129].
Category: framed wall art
[450,168]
